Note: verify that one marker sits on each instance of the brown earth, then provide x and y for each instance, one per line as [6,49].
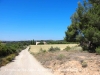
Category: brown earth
[70,63]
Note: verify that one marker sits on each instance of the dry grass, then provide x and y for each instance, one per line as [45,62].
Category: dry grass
[70,63]
[36,48]
[7,59]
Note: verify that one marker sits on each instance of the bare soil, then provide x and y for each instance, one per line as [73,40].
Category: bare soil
[70,63]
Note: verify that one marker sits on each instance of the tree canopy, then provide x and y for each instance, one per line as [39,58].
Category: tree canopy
[85,23]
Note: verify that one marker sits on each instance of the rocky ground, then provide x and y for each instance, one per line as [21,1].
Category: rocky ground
[70,62]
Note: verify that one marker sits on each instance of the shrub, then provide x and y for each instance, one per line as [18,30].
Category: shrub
[42,51]
[67,48]
[57,48]
[7,59]
[85,48]
[84,64]
[60,57]
[10,57]
[3,62]
[98,50]
[54,49]
[10,48]
[51,49]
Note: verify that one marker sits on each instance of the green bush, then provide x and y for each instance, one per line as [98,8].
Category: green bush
[84,64]
[42,51]
[7,59]
[98,50]
[9,50]
[57,48]
[54,49]
[67,48]
[51,49]
[60,57]
[10,57]
[3,62]
[85,48]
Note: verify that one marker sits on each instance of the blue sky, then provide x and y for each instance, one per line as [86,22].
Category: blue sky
[35,19]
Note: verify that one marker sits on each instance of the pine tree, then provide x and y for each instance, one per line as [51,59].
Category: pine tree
[86,24]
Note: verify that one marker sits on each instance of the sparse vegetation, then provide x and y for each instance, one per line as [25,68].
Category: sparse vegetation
[67,48]
[98,50]
[60,57]
[52,49]
[6,59]
[72,60]
[42,51]
[36,48]
[85,48]
[84,64]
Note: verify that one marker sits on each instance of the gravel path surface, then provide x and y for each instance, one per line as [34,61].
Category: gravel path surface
[24,64]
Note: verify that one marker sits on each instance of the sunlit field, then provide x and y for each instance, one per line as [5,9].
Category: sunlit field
[36,48]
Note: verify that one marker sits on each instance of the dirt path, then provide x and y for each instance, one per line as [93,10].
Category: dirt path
[24,64]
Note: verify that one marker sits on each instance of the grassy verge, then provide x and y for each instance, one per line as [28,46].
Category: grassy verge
[5,60]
